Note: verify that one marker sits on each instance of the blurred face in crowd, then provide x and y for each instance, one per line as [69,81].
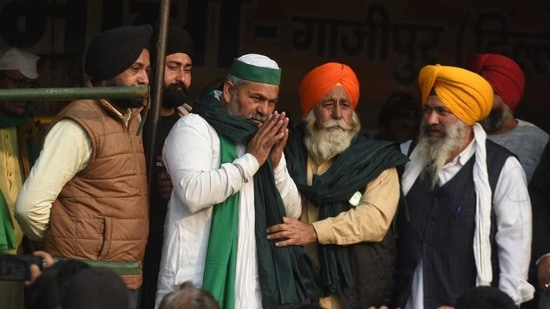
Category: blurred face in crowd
[401,129]
[331,125]
[13,79]
[499,113]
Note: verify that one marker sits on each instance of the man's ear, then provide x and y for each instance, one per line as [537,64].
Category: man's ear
[227,92]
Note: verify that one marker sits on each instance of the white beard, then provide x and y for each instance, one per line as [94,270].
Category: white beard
[325,141]
[436,151]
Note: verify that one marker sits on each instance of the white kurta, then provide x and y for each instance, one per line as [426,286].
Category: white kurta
[191,154]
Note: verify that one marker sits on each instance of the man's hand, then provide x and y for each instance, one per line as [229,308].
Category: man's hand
[279,147]
[35,270]
[292,232]
[165,185]
[269,133]
[543,274]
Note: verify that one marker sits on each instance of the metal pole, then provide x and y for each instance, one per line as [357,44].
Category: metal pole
[158,86]
[58,94]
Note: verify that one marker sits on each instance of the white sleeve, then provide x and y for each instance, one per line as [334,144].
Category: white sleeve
[514,230]
[191,156]
[67,150]
[288,190]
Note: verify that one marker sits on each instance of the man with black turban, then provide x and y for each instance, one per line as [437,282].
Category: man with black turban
[86,196]
[469,215]
[177,80]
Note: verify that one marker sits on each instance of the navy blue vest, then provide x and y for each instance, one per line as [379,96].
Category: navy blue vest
[440,232]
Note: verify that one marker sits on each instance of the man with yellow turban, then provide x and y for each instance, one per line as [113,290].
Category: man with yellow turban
[350,190]
[469,220]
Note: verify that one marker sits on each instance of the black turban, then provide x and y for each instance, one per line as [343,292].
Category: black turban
[178,39]
[115,50]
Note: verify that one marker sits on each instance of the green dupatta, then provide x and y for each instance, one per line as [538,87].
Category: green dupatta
[7,237]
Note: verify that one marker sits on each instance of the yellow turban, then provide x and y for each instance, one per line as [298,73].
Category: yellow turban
[466,94]
[322,79]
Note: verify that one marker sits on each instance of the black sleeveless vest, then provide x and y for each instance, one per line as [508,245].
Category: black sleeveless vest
[440,232]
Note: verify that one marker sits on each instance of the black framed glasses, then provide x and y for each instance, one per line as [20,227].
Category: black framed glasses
[21,82]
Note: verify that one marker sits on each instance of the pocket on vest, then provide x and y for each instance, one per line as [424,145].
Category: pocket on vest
[105,238]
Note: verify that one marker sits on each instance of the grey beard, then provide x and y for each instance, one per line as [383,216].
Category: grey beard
[436,152]
[324,144]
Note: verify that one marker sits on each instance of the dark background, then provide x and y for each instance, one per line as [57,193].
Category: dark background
[385,42]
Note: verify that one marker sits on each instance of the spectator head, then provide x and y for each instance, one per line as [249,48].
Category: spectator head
[190,297]
[96,288]
[485,297]
[399,118]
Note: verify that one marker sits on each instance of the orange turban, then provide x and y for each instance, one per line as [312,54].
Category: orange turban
[466,94]
[503,73]
[322,79]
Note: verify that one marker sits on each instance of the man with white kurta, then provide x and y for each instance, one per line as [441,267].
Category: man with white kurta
[230,182]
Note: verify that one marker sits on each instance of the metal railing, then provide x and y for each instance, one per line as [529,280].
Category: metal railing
[76,93]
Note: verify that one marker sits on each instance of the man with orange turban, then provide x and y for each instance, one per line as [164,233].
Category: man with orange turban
[469,220]
[350,191]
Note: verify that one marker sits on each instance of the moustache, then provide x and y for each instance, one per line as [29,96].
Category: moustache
[435,127]
[332,124]
[256,116]
[178,86]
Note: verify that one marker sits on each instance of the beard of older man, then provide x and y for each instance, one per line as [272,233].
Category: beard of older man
[435,151]
[326,140]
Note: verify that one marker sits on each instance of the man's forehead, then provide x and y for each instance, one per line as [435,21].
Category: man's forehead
[434,101]
[336,91]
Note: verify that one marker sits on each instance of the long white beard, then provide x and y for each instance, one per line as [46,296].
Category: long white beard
[325,141]
[436,151]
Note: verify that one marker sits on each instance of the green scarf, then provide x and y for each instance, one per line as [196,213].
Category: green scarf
[222,251]
[350,172]
[286,274]
[7,237]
